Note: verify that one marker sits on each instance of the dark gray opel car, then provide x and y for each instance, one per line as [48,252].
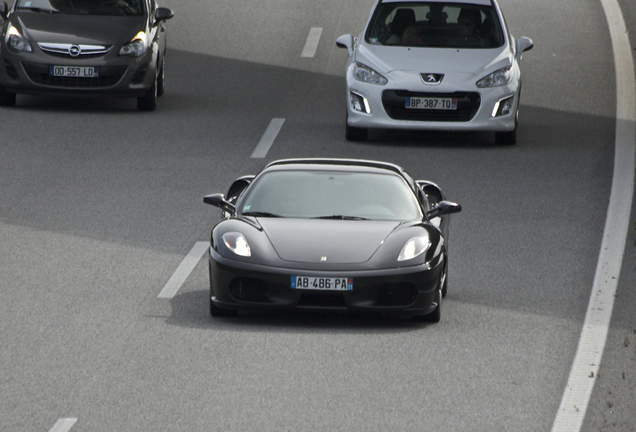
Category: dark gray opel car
[83,47]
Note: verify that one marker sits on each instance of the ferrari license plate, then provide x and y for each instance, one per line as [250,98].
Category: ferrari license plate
[431,103]
[73,71]
[322,283]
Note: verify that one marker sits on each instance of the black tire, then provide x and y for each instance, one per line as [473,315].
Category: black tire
[148,102]
[161,79]
[216,311]
[435,316]
[6,99]
[445,283]
[506,138]
[354,133]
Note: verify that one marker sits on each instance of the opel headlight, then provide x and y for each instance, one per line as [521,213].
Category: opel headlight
[15,41]
[366,74]
[136,48]
[415,247]
[498,78]
[237,243]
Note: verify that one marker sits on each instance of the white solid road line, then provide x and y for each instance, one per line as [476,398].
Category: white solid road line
[183,271]
[63,425]
[589,353]
[311,45]
[268,138]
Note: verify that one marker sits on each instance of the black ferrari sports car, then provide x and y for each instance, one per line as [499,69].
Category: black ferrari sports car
[330,234]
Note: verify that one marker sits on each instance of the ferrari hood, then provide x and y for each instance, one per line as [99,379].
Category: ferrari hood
[386,59]
[78,29]
[331,241]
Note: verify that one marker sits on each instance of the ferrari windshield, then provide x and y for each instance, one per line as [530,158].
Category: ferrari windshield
[436,25]
[331,195]
[84,7]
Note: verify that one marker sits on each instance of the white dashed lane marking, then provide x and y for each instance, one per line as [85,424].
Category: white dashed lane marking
[268,138]
[63,425]
[312,42]
[183,271]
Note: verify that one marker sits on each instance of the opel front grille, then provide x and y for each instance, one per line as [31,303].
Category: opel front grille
[74,51]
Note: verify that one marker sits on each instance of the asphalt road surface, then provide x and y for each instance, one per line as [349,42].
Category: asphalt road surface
[100,204]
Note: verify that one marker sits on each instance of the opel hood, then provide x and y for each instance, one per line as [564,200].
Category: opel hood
[78,29]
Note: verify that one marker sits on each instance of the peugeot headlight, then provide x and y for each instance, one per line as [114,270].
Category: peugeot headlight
[498,78]
[136,48]
[366,74]
[15,41]
[237,243]
[415,247]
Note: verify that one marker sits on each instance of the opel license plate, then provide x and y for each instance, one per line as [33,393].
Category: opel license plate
[73,71]
[322,283]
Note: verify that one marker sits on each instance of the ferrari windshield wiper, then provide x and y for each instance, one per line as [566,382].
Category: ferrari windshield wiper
[260,214]
[341,217]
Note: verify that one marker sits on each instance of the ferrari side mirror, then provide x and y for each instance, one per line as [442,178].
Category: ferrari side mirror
[444,208]
[218,200]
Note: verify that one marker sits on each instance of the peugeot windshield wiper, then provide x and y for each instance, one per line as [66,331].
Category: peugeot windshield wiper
[341,217]
[260,214]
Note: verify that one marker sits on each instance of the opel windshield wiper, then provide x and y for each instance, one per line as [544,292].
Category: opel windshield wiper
[260,214]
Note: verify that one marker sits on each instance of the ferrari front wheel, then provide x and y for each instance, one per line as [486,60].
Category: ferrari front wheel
[435,316]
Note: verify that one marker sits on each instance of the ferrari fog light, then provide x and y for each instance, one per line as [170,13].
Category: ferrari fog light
[237,243]
[359,103]
[503,107]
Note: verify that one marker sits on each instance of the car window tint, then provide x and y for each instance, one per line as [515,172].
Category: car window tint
[310,194]
[435,25]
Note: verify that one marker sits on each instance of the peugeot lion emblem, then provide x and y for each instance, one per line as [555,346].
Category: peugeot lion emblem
[431,78]
[74,51]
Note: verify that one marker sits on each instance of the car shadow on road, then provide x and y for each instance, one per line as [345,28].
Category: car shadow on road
[190,309]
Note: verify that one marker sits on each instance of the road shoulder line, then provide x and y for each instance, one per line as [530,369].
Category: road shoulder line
[589,353]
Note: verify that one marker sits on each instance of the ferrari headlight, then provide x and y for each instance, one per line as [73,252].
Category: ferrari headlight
[498,78]
[237,243]
[15,41]
[414,247]
[136,48]
[366,74]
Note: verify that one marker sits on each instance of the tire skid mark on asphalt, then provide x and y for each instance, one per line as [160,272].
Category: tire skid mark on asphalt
[179,277]
[63,424]
[311,45]
[268,138]
[589,352]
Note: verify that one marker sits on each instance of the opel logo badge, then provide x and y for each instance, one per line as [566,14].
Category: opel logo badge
[74,51]
[431,78]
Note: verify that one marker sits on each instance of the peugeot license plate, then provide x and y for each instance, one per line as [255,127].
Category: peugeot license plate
[73,71]
[431,103]
[322,283]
